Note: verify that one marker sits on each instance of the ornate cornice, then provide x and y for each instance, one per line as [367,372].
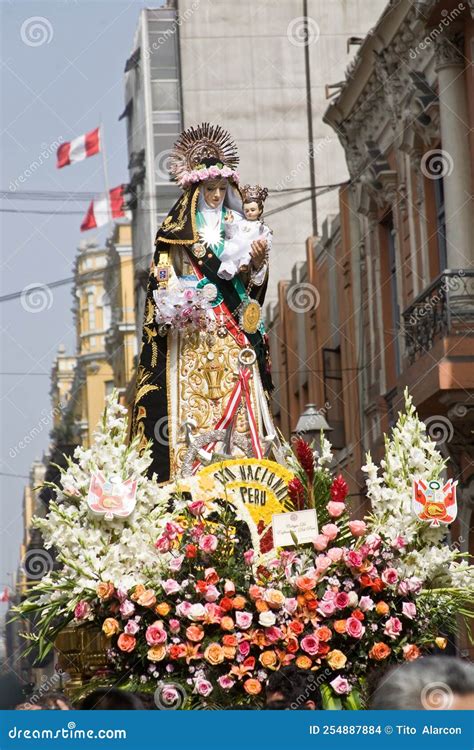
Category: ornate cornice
[449,49]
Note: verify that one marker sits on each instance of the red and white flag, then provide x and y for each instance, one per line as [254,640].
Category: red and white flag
[100,213]
[5,595]
[79,149]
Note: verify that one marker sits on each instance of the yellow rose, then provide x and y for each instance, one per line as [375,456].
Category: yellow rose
[162,609]
[382,608]
[229,651]
[139,589]
[441,642]
[274,598]
[110,626]
[105,590]
[268,659]
[214,654]
[336,659]
[252,686]
[156,653]
[147,598]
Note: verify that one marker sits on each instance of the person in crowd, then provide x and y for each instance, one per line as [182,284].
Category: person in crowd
[106,699]
[12,691]
[294,689]
[430,683]
[52,701]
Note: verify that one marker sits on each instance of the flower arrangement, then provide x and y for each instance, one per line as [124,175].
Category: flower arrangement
[181,309]
[203,617]
[201,172]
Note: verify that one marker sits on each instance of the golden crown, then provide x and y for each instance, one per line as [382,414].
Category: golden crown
[255,193]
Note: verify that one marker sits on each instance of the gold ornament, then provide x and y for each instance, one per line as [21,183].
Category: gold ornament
[250,317]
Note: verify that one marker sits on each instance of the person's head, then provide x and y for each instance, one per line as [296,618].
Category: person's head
[252,210]
[291,688]
[214,191]
[107,699]
[432,682]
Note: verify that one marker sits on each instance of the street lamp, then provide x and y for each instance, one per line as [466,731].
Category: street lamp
[311,424]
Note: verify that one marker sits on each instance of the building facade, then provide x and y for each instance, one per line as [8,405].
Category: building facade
[385,297]
[260,70]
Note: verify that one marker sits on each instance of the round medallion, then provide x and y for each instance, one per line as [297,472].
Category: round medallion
[209,291]
[198,250]
[250,317]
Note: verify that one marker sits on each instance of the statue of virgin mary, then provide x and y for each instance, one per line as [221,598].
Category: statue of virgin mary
[204,376]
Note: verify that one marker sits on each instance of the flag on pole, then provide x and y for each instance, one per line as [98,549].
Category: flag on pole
[79,148]
[5,595]
[101,211]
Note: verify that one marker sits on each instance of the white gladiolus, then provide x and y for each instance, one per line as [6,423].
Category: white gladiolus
[410,453]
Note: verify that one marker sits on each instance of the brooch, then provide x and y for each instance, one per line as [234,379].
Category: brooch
[198,250]
[250,317]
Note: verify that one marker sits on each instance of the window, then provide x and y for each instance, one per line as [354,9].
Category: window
[109,387]
[333,396]
[440,223]
[395,310]
[91,310]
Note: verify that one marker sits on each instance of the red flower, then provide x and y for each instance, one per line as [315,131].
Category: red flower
[365,581]
[304,454]
[339,489]
[323,649]
[377,585]
[297,493]
[358,615]
[226,604]
[190,551]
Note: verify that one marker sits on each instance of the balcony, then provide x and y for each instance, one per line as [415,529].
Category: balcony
[445,308]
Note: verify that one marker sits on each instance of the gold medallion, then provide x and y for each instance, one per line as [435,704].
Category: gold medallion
[250,317]
[198,250]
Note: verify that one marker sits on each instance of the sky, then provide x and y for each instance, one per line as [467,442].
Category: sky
[62,75]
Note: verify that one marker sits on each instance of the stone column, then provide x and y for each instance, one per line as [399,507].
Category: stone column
[450,62]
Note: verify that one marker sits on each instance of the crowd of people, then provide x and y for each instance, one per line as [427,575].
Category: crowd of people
[433,682]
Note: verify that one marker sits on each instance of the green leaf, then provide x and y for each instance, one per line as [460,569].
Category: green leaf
[330,701]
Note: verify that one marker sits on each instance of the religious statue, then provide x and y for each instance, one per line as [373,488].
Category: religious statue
[204,374]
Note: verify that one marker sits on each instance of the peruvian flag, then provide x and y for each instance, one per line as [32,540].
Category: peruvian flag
[5,595]
[79,149]
[100,212]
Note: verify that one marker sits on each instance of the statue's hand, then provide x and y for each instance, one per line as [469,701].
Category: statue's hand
[258,253]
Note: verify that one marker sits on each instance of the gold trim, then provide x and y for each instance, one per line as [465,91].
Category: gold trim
[193,224]
[168,401]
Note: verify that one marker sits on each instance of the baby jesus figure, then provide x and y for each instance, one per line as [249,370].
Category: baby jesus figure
[239,235]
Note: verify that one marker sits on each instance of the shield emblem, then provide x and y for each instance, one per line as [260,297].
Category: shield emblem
[112,497]
[434,502]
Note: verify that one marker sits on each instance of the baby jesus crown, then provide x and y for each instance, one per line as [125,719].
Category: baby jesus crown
[254,193]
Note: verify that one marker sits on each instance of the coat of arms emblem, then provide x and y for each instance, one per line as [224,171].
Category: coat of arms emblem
[434,502]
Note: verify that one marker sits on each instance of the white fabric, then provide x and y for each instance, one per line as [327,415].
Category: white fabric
[238,245]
